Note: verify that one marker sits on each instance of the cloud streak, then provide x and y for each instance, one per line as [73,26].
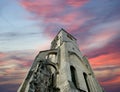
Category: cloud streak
[14,66]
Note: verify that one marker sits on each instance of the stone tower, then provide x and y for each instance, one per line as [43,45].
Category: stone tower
[61,69]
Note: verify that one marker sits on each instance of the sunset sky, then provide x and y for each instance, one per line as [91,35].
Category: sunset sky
[29,26]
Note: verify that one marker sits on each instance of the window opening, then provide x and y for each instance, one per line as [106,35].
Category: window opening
[53,57]
[69,37]
[86,81]
[73,76]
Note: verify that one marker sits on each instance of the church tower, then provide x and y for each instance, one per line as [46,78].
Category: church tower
[61,69]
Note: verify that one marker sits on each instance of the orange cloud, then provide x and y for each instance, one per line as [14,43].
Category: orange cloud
[2,55]
[107,68]
[105,60]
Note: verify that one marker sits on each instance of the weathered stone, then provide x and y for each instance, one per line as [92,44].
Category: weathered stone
[61,69]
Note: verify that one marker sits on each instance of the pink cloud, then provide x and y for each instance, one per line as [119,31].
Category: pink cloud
[50,4]
[64,19]
[42,8]
[105,60]
[14,66]
[112,82]
[107,68]
[99,39]
[56,13]
[2,55]
[77,3]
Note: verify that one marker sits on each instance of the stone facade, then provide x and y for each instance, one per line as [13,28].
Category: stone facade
[63,68]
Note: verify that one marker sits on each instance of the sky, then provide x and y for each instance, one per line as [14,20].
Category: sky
[29,26]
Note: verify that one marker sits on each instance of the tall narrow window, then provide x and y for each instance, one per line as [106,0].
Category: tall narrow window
[86,81]
[73,76]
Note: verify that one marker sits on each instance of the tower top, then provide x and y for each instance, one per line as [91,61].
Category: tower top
[64,31]
[62,36]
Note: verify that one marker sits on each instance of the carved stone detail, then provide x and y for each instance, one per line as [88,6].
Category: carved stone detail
[43,79]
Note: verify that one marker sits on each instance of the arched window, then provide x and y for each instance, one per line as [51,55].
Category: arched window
[86,81]
[74,76]
[53,57]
